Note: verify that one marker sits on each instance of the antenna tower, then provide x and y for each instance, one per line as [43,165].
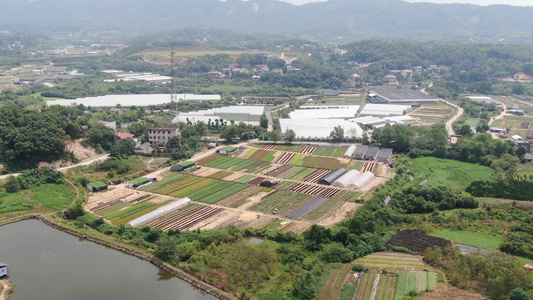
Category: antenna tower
[174,90]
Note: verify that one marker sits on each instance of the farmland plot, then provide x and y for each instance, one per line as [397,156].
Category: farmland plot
[306,208]
[365,286]
[332,288]
[386,288]
[226,192]
[283,201]
[185,218]
[291,172]
[301,175]
[211,190]
[189,189]
[322,210]
[414,281]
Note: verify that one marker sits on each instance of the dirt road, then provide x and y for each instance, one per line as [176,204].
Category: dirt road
[460,112]
[86,162]
[500,116]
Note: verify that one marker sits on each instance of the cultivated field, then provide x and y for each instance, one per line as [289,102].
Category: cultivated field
[431,114]
[470,238]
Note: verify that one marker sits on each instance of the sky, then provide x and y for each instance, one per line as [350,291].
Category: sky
[478,2]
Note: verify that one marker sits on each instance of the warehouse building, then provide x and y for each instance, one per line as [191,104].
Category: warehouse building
[400,96]
[182,166]
[97,186]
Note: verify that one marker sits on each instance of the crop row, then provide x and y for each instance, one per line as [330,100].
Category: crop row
[113,208]
[185,218]
[219,175]
[130,211]
[283,201]
[285,158]
[347,196]
[365,286]
[323,209]
[335,152]
[292,172]
[386,288]
[326,192]
[322,163]
[165,182]
[286,185]
[244,179]
[212,189]
[230,190]
[304,173]
[239,198]
[316,176]
[125,219]
[188,189]
[177,185]
[279,170]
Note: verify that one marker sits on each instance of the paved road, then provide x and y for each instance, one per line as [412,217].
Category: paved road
[460,112]
[87,162]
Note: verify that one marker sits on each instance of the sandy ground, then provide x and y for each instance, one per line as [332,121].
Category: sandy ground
[448,292]
[79,151]
[339,214]
[6,289]
[203,172]
[252,201]
[233,177]
[121,193]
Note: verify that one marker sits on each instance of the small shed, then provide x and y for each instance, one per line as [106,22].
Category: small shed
[227,150]
[211,145]
[3,269]
[371,153]
[97,186]
[360,151]
[139,181]
[182,166]
[331,177]
[385,155]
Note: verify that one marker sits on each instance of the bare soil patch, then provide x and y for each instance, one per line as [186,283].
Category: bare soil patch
[81,152]
[339,214]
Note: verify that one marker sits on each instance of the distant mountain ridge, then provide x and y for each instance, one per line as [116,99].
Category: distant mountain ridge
[334,20]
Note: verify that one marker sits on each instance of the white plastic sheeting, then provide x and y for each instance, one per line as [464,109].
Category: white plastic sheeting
[130,100]
[347,179]
[385,110]
[325,112]
[238,109]
[349,152]
[363,179]
[320,128]
[163,210]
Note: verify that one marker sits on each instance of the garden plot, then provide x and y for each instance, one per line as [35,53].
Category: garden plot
[291,172]
[332,287]
[391,261]
[204,172]
[323,162]
[414,281]
[308,150]
[429,115]
[279,170]
[240,198]
[368,167]
[220,175]
[185,218]
[365,286]
[316,176]
[303,174]
[386,288]
[333,152]
[280,203]
[223,193]
[284,158]
[315,190]
[347,196]
[306,208]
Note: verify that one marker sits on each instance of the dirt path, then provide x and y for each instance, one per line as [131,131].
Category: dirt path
[6,289]
[375,288]
[460,112]
[500,116]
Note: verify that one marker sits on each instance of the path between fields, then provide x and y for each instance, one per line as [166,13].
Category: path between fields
[460,112]
[375,288]
[500,116]
[86,162]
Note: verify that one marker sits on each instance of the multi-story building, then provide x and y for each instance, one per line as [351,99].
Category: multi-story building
[161,136]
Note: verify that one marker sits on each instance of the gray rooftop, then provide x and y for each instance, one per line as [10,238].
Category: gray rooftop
[392,95]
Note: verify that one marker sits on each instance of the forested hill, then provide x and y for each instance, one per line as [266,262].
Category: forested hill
[326,21]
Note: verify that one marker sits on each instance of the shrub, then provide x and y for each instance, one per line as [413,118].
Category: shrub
[358,268]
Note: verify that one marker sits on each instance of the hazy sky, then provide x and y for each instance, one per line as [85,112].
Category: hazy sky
[478,2]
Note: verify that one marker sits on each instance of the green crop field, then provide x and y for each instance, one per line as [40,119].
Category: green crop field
[386,288]
[46,195]
[365,286]
[185,191]
[245,178]
[211,190]
[130,211]
[322,210]
[166,190]
[297,160]
[112,209]
[450,173]
[175,177]
[291,172]
[414,281]
[391,261]
[269,157]
[470,238]
[300,176]
[284,201]
[228,191]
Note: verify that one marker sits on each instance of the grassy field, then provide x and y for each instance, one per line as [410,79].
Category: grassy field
[450,173]
[391,261]
[495,201]
[470,238]
[46,195]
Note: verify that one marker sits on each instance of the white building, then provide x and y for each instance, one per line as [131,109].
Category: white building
[161,136]
[3,269]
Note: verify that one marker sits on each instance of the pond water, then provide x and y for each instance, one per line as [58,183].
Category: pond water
[46,263]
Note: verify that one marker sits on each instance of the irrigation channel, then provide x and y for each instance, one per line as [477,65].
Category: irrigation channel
[45,263]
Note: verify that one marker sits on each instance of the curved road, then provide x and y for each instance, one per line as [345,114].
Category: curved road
[90,161]
[460,112]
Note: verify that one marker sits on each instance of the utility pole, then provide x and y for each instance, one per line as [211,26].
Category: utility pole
[174,90]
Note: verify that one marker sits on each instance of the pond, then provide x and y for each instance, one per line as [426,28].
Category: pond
[45,263]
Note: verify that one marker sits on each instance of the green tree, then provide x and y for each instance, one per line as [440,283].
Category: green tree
[520,294]
[263,121]
[275,135]
[304,287]
[366,140]
[337,135]
[102,136]
[230,133]
[166,248]
[138,129]
[465,130]
[506,163]
[289,136]
[123,148]
[12,185]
